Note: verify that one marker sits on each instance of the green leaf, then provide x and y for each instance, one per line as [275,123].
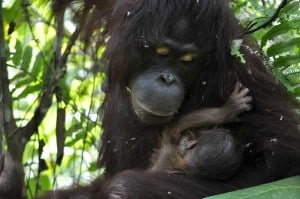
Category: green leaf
[13,12]
[24,82]
[64,90]
[29,89]
[292,7]
[280,29]
[93,166]
[283,47]
[45,182]
[16,59]
[287,188]
[18,77]
[38,65]
[31,183]
[27,55]
[286,60]
[297,91]
[278,74]
[78,137]
[294,78]
[239,6]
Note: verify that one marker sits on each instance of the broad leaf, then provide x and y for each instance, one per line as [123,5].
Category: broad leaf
[283,47]
[280,29]
[286,60]
[287,188]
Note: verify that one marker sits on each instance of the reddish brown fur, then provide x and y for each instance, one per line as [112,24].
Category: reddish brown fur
[269,133]
[179,142]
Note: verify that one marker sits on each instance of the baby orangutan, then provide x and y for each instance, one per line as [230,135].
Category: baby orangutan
[207,150]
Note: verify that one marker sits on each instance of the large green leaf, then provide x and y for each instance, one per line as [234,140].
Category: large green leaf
[286,60]
[282,78]
[27,55]
[280,29]
[297,91]
[17,54]
[78,137]
[292,7]
[29,90]
[294,78]
[23,82]
[283,47]
[283,189]
[38,65]
[13,11]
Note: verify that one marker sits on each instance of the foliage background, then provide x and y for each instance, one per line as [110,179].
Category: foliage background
[55,83]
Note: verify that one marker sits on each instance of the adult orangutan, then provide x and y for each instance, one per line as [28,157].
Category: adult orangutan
[166,59]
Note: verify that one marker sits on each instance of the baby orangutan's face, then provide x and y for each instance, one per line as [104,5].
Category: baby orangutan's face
[186,148]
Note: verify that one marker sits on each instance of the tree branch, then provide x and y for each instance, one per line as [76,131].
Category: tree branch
[274,16]
[7,121]
[2,64]
[51,84]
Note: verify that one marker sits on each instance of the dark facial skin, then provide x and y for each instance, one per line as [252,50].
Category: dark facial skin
[213,153]
[158,92]
[156,95]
